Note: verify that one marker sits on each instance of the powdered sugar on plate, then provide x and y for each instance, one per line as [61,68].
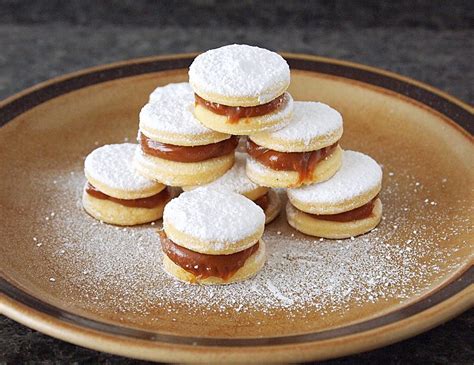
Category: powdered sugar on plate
[218,217]
[302,274]
[358,174]
[235,179]
[112,166]
[240,71]
[117,270]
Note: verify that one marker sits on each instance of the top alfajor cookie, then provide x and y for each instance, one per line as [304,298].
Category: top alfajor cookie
[213,222]
[109,169]
[168,118]
[314,125]
[357,182]
[239,75]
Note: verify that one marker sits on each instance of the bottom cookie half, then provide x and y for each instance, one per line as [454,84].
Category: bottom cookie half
[310,225]
[252,265]
[114,213]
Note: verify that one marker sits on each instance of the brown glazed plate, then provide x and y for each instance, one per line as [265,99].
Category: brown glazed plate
[103,287]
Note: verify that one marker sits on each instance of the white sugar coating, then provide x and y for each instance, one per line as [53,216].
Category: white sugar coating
[235,179]
[358,174]
[170,110]
[112,166]
[310,120]
[218,217]
[240,71]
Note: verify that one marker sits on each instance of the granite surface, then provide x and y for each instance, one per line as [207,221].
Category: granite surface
[47,39]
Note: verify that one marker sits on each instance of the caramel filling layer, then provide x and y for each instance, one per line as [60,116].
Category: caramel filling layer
[185,153]
[303,163]
[356,214]
[149,202]
[234,113]
[202,265]
[263,202]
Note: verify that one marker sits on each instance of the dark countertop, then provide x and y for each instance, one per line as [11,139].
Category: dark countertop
[34,53]
[34,50]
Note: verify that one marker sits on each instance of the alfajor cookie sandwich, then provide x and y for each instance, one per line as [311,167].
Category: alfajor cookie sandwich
[304,152]
[241,89]
[344,206]
[212,237]
[115,193]
[236,180]
[175,148]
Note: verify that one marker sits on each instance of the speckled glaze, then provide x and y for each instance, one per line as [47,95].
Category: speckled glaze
[422,144]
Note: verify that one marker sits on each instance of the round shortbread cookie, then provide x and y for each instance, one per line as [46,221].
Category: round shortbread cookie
[274,207]
[110,169]
[213,222]
[312,226]
[114,213]
[356,183]
[312,127]
[239,75]
[251,267]
[266,176]
[168,118]
[236,180]
[245,126]
[174,173]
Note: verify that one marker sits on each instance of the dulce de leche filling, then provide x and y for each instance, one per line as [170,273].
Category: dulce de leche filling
[356,214]
[303,163]
[263,201]
[186,153]
[202,265]
[149,202]
[234,113]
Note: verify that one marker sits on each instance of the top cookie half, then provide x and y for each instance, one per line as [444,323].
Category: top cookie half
[239,75]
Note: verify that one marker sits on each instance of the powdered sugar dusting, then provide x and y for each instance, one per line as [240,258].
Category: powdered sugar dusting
[310,120]
[235,179]
[302,274]
[219,217]
[112,166]
[240,71]
[170,110]
[358,174]
[108,269]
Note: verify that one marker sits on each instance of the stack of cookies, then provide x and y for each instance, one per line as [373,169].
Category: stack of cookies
[188,136]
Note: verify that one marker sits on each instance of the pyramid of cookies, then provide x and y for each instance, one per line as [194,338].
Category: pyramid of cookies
[188,137]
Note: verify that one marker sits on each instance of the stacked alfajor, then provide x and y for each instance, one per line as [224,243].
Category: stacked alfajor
[241,90]
[236,180]
[174,148]
[212,237]
[115,193]
[304,152]
[344,206]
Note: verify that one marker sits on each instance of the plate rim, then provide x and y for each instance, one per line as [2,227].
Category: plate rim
[51,325]
[315,350]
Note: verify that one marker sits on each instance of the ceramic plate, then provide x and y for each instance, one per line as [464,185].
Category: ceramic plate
[102,287]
